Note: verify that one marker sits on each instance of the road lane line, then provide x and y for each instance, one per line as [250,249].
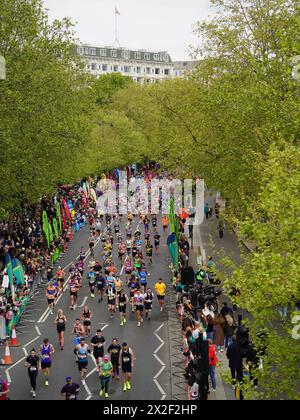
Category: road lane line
[83,302]
[38,330]
[11,367]
[25,352]
[30,342]
[163,366]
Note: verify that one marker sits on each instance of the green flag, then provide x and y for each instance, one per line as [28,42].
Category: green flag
[58,216]
[55,228]
[18,271]
[172,215]
[46,227]
[50,232]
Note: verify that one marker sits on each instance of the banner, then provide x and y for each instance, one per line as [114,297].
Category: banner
[172,216]
[55,228]
[46,227]
[58,216]
[64,218]
[66,209]
[18,271]
[9,270]
[173,249]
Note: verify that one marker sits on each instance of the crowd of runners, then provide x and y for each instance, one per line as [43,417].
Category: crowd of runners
[117,275]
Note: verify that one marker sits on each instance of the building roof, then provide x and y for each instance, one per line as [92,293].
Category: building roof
[123,54]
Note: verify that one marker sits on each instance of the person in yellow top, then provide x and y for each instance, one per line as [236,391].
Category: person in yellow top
[160,289]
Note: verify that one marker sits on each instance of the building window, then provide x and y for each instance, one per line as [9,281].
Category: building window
[138,70]
[156,57]
[103,53]
[125,54]
[104,67]
[116,68]
[94,66]
[127,69]
[140,80]
[90,51]
[137,55]
[167,72]
[157,71]
[147,56]
[114,53]
[148,70]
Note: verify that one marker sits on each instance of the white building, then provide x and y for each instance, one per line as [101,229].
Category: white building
[143,66]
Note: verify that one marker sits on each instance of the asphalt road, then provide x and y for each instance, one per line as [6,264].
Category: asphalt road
[151,374]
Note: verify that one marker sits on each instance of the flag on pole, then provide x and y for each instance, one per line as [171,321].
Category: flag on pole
[117,12]
[18,271]
[9,270]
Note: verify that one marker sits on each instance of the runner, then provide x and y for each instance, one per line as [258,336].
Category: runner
[82,350]
[160,289]
[154,221]
[128,268]
[86,318]
[156,241]
[92,244]
[60,274]
[33,364]
[123,301]
[165,223]
[74,288]
[149,251]
[78,331]
[143,277]
[121,251]
[149,296]
[46,351]
[71,390]
[106,370]
[98,228]
[60,322]
[133,287]
[111,300]
[126,361]
[118,287]
[101,283]
[97,343]
[51,294]
[139,299]
[92,282]
[114,351]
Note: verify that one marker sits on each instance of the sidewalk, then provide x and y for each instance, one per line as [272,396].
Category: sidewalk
[208,243]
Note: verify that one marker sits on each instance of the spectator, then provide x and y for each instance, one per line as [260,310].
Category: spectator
[235,361]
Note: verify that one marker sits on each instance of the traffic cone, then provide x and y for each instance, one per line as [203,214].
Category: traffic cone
[7,358]
[14,342]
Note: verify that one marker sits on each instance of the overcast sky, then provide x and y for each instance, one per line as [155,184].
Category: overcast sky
[162,25]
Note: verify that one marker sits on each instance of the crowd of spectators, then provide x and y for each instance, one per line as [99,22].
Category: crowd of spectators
[22,236]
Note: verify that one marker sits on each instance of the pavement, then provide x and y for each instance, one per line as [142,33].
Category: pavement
[150,342]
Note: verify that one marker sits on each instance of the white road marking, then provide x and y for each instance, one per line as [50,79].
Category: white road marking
[163,366]
[11,367]
[87,389]
[38,330]
[83,303]
[30,342]
[25,351]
